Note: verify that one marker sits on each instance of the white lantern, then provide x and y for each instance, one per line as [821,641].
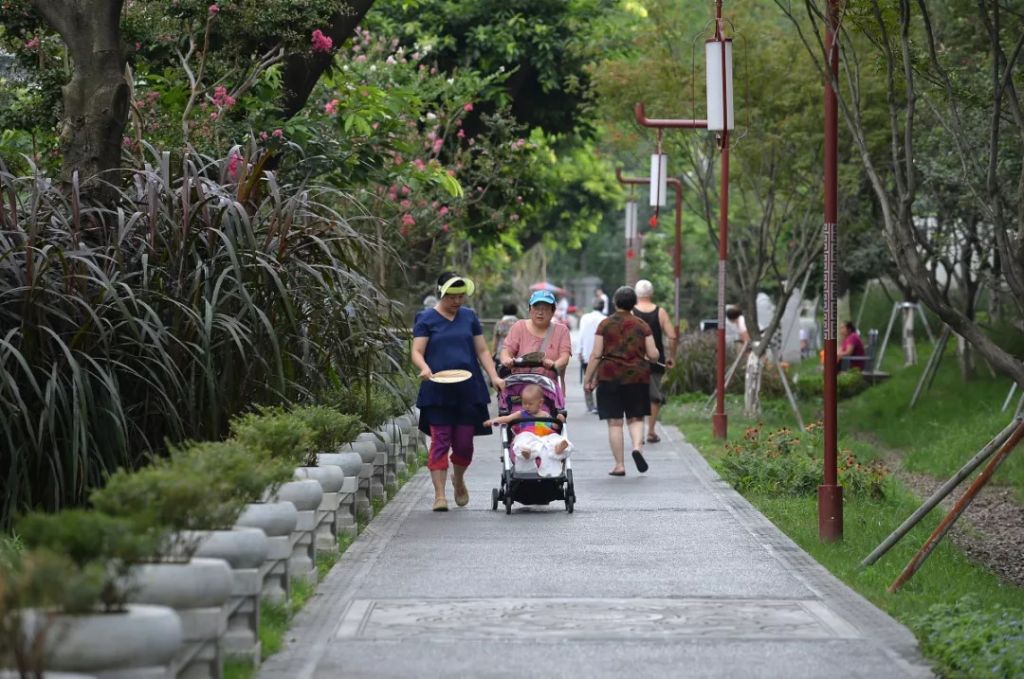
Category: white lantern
[630,220]
[717,102]
[659,179]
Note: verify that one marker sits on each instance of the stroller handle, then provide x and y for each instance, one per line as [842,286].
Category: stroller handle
[521,362]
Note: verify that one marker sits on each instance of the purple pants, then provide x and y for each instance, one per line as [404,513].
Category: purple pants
[456,437]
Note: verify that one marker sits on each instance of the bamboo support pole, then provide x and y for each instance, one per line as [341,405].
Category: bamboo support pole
[940,494]
[928,376]
[958,509]
[728,376]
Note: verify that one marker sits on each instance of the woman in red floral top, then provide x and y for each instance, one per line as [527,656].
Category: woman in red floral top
[619,367]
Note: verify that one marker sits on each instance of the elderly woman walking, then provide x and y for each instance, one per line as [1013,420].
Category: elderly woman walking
[449,337]
[619,367]
[538,334]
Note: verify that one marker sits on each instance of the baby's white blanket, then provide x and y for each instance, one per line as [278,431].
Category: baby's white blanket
[539,451]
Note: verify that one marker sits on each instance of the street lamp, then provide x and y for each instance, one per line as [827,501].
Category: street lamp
[718,54]
[677,250]
[632,242]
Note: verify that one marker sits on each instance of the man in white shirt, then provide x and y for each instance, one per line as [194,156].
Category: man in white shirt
[588,329]
[605,302]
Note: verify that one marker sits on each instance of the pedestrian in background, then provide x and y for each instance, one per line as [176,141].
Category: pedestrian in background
[588,327]
[510,314]
[620,370]
[664,334]
[605,303]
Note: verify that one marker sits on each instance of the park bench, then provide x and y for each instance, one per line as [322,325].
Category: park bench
[866,363]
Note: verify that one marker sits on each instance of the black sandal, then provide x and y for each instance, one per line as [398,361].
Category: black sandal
[641,463]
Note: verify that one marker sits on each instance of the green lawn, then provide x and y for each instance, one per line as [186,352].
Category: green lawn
[969,623]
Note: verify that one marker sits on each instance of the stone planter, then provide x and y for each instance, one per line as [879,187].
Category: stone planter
[198,591]
[331,479]
[306,496]
[380,462]
[367,451]
[138,643]
[277,520]
[245,550]
[351,464]
[388,433]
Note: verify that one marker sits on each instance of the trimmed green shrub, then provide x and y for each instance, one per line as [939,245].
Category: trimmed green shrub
[170,499]
[694,369]
[238,469]
[848,383]
[330,428]
[100,551]
[283,435]
[785,462]
[972,640]
[374,406]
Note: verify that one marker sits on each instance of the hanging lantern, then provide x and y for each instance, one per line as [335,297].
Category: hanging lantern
[719,102]
[631,210]
[659,179]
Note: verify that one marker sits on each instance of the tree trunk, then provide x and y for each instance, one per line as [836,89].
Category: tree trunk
[96,98]
[302,71]
[752,385]
[909,346]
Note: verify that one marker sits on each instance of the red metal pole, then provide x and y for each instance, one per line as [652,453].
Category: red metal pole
[719,420]
[677,251]
[830,493]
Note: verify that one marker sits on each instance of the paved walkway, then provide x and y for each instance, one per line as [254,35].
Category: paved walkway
[669,574]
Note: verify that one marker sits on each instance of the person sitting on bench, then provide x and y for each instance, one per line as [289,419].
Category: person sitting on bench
[850,347]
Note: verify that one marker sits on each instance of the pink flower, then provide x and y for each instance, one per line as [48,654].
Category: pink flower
[405,204]
[361,58]
[321,42]
[405,190]
[442,211]
[331,107]
[444,227]
[468,107]
[213,116]
[32,43]
[222,98]
[419,164]
[461,134]
[264,136]
[279,133]
[407,219]
[213,9]
[138,46]
[398,159]
[438,143]
[519,143]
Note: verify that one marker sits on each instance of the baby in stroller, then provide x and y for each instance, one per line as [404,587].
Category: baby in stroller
[536,442]
[536,468]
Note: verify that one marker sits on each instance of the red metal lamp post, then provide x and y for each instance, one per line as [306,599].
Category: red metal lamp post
[718,55]
[830,493]
[677,250]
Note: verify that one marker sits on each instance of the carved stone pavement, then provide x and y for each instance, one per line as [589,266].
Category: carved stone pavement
[666,574]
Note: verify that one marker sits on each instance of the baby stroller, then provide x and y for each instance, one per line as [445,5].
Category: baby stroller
[526,486]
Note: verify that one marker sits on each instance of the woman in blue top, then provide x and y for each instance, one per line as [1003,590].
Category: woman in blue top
[449,337]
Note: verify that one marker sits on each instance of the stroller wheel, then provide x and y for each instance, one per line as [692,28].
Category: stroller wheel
[494,499]
[570,501]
